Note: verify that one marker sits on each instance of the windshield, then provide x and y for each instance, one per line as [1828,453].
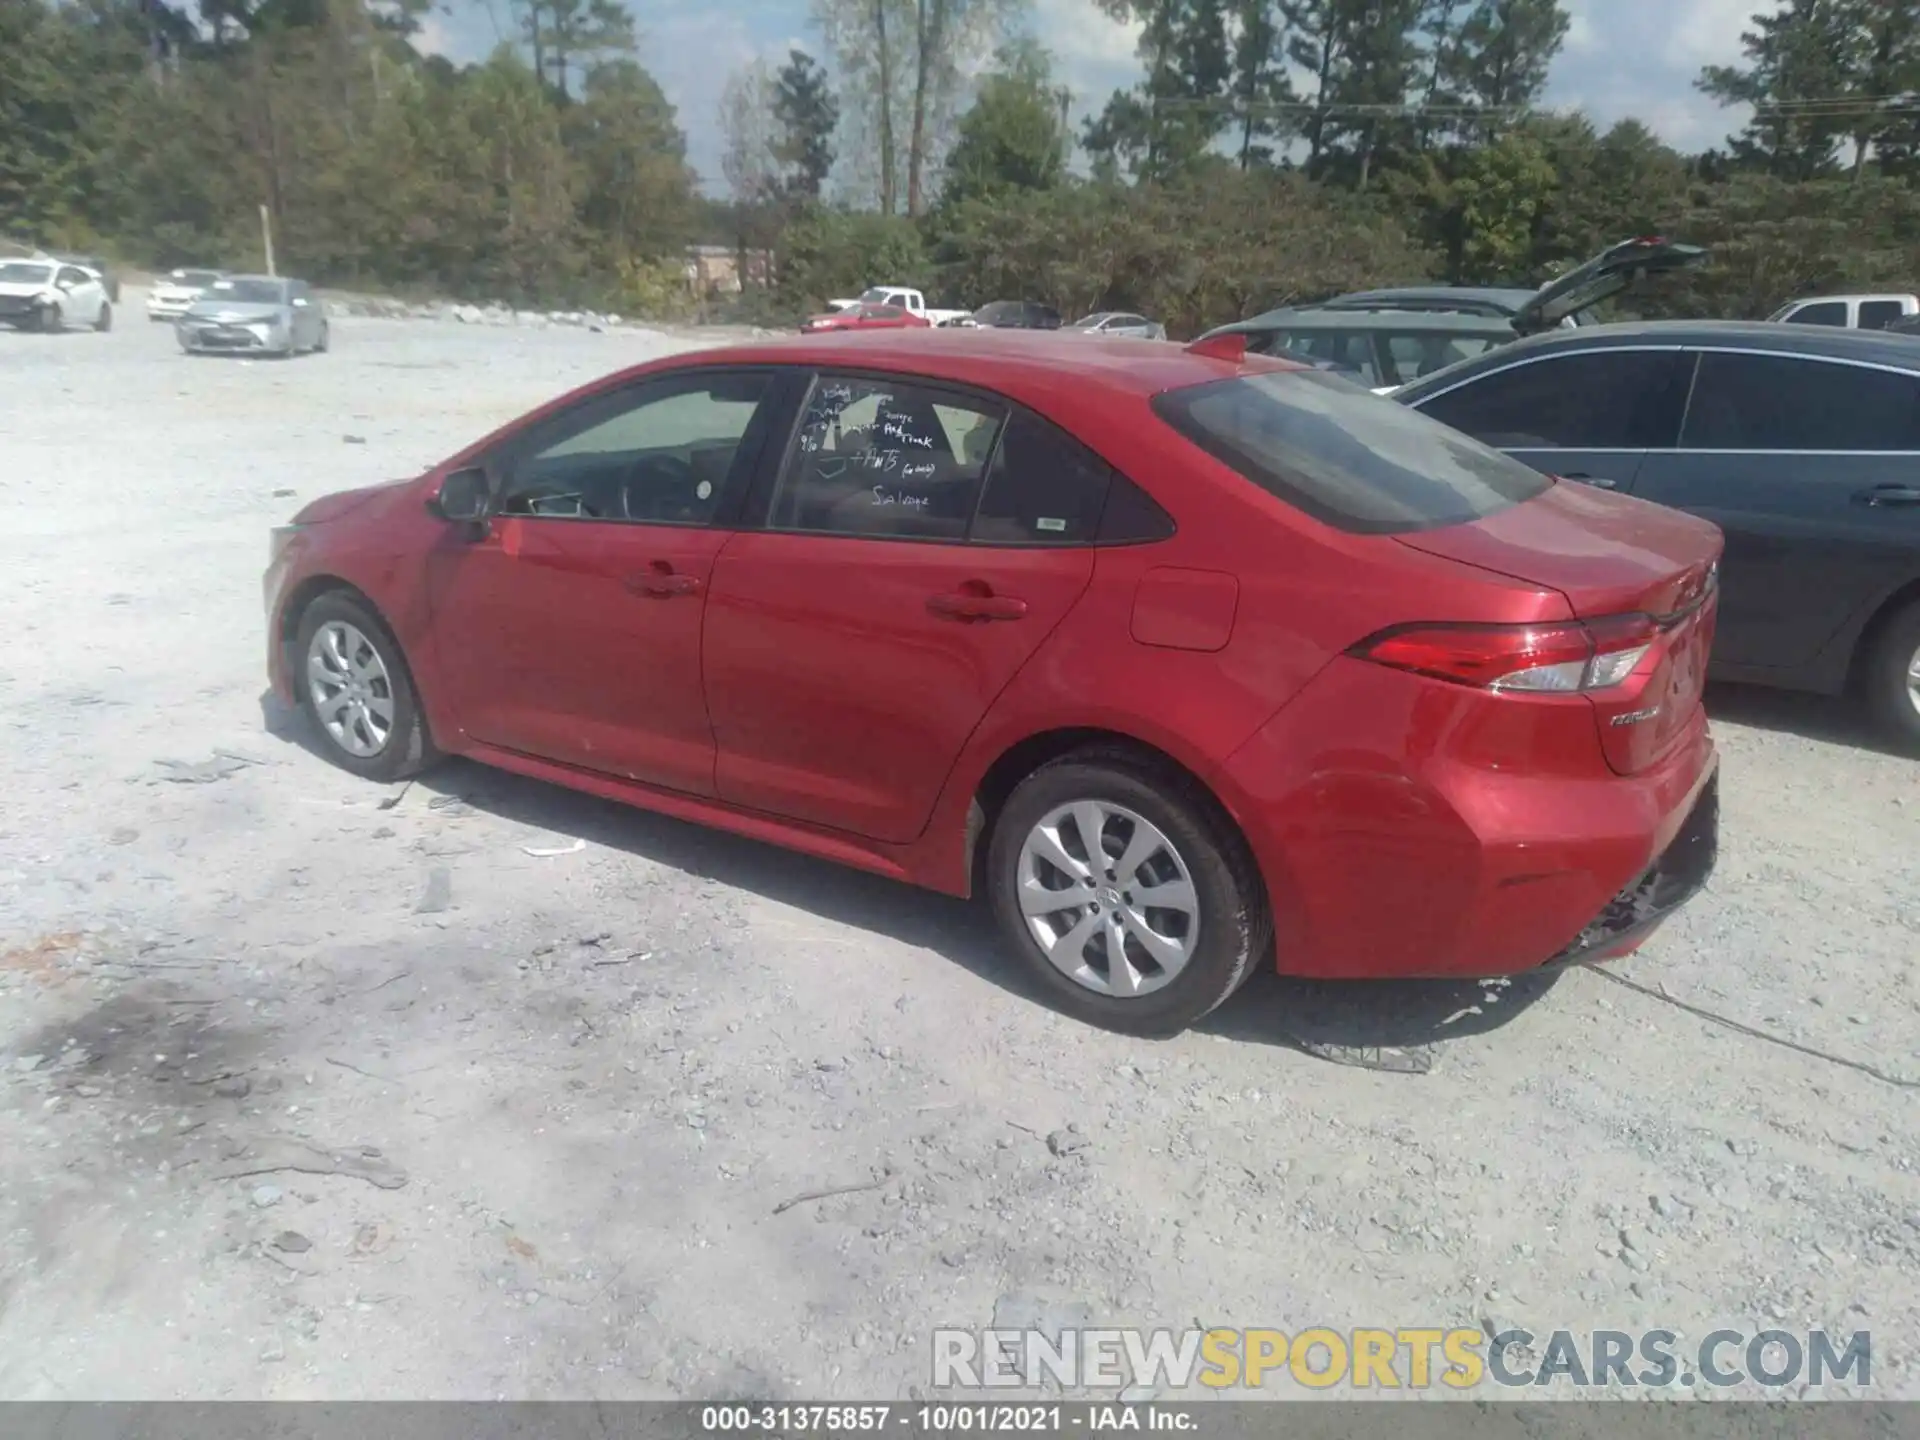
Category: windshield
[16,272]
[248,292]
[202,278]
[1088,322]
[1353,460]
[879,295]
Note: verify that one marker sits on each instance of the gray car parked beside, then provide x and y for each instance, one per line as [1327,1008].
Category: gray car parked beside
[254,314]
[1119,322]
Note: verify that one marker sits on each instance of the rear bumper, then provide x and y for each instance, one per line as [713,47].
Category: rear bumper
[1679,873]
[1407,828]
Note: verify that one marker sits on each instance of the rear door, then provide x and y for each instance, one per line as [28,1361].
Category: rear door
[855,642]
[1811,467]
[571,631]
[1585,415]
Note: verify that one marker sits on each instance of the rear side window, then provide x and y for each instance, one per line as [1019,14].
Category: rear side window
[1825,312]
[1352,460]
[1775,402]
[1878,314]
[885,460]
[1350,349]
[1600,400]
[1043,488]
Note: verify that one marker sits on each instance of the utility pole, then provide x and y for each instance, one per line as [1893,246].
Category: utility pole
[266,237]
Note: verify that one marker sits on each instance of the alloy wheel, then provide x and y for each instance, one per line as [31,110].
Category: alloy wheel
[351,690]
[1913,680]
[1108,898]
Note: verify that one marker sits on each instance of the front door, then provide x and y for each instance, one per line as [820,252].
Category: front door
[856,641]
[572,630]
[1588,415]
[1812,469]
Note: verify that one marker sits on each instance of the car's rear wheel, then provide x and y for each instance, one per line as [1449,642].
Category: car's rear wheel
[355,687]
[104,321]
[1132,899]
[320,345]
[1893,676]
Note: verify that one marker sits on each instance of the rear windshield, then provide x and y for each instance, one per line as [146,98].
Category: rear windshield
[1356,461]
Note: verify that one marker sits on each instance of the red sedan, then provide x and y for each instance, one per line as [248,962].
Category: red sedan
[1190,661]
[866,317]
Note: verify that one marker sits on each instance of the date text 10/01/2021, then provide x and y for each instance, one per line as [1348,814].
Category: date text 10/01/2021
[943,1419]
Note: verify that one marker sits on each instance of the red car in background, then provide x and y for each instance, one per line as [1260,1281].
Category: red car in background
[866,317]
[1191,661]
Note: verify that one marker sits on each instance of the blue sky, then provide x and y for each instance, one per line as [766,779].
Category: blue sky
[1639,61]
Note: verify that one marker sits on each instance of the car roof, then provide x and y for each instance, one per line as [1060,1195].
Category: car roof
[1024,365]
[1428,322]
[1508,297]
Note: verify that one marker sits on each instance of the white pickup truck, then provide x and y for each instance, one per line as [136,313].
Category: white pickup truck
[906,299]
[1853,312]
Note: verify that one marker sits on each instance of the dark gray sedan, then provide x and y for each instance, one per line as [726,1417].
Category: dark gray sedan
[1801,443]
[254,314]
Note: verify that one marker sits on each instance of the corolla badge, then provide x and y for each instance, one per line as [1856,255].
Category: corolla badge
[1635,717]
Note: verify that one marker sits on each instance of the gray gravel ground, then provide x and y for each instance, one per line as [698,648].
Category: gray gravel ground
[555,1100]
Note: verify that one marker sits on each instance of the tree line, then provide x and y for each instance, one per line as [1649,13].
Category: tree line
[1271,151]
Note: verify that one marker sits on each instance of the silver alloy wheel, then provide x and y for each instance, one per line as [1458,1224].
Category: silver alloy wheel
[1913,679]
[1108,899]
[352,692]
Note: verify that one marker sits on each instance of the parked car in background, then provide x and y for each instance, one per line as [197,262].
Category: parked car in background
[48,294]
[1011,315]
[1393,345]
[109,278]
[1849,312]
[1185,660]
[254,314]
[1498,302]
[1119,322]
[1801,443]
[865,317]
[1380,349]
[904,297]
[170,297]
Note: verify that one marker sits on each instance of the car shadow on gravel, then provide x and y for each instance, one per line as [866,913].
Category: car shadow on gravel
[1381,1025]
[1829,719]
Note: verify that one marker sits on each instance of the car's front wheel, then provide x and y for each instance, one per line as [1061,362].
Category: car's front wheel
[1892,677]
[355,687]
[1133,900]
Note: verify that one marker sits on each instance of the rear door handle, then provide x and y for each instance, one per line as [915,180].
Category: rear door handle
[1889,495]
[963,606]
[659,582]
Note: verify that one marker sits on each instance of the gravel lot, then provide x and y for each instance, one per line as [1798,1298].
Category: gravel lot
[561,1096]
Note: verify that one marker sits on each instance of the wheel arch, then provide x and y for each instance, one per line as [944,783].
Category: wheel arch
[1884,615]
[301,599]
[1020,759]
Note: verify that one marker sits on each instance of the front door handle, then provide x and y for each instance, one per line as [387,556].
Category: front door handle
[1598,482]
[659,582]
[962,605]
[1890,495]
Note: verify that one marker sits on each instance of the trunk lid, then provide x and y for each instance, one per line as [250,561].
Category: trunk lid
[1607,273]
[1611,555]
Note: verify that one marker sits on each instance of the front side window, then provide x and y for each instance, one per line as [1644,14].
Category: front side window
[1599,400]
[71,277]
[1353,460]
[660,454]
[1825,312]
[1778,402]
[887,460]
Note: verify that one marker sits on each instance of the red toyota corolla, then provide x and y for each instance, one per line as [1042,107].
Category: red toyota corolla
[1191,661]
[865,317]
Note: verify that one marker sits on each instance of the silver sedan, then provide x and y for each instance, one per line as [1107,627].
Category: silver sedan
[1120,322]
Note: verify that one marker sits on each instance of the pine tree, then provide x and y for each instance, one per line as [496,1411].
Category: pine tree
[806,113]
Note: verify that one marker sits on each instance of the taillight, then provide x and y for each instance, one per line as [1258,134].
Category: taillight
[1562,658]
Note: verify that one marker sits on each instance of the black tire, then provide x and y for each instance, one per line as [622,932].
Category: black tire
[408,749]
[104,321]
[51,321]
[1896,648]
[1236,931]
[326,338]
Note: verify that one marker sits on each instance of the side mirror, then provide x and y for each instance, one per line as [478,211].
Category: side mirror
[462,497]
